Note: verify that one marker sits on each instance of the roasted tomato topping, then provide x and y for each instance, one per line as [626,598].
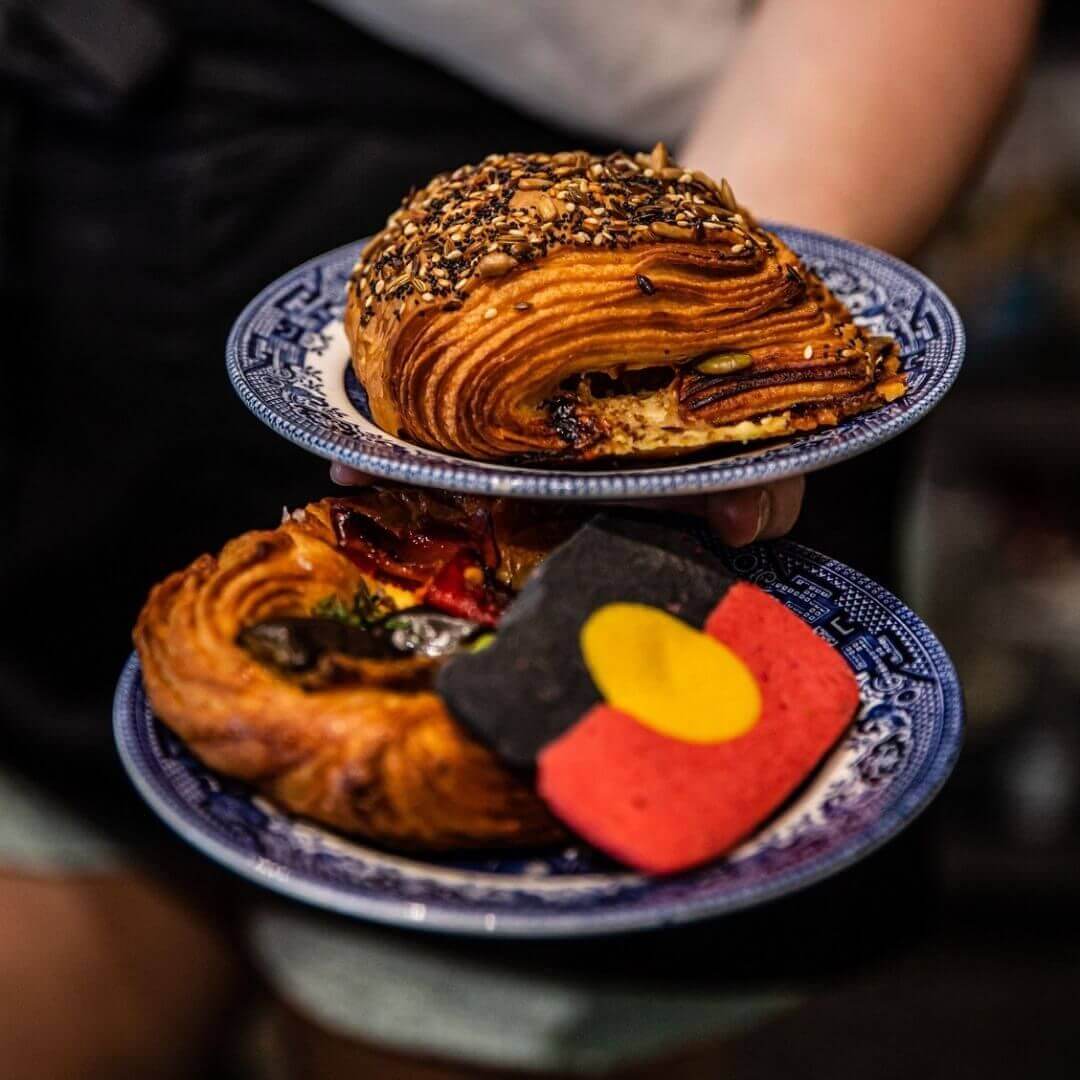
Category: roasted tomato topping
[408,536]
[466,588]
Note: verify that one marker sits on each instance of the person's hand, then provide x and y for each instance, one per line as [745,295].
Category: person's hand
[735,517]
[757,513]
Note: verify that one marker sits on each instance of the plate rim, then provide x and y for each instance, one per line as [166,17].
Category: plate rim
[281,879]
[695,478]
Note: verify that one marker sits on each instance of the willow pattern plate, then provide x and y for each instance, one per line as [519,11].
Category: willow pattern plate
[893,760]
[288,360]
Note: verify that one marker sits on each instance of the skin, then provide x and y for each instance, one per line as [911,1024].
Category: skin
[819,120]
[884,164]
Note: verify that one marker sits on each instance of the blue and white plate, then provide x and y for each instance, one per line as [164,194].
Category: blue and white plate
[891,763]
[288,359]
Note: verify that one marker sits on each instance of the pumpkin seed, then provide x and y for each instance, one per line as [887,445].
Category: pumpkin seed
[495,264]
[672,232]
[724,363]
[547,207]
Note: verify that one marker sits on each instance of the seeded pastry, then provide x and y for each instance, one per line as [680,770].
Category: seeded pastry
[301,659]
[570,306]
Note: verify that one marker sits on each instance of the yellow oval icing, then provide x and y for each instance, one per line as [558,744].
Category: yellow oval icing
[674,679]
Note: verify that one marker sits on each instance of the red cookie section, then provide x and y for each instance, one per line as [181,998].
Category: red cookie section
[662,805]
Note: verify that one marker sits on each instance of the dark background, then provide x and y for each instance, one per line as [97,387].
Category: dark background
[148,187]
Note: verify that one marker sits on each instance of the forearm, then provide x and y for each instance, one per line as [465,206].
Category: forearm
[861,119]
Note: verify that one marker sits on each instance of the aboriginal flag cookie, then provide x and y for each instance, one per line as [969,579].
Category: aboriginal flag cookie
[667,708]
[531,684]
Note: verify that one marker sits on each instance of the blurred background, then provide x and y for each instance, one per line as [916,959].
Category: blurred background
[112,239]
[991,556]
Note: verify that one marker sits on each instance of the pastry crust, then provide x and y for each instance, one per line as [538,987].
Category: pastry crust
[382,759]
[512,307]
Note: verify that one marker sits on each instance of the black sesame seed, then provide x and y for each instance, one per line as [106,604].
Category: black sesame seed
[470,208]
[645,285]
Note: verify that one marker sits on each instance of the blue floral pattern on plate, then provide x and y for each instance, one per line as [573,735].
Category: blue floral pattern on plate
[288,360]
[890,764]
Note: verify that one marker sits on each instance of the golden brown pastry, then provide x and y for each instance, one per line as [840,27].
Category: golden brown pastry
[271,663]
[573,307]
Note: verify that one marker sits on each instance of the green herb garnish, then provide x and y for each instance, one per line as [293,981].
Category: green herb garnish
[368,607]
[332,607]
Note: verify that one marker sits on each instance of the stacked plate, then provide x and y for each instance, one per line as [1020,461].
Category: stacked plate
[288,360]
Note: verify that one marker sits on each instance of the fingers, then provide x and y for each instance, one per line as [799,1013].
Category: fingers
[763,513]
[736,517]
[785,502]
[348,477]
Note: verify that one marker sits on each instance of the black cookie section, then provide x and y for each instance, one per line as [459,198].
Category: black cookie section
[531,684]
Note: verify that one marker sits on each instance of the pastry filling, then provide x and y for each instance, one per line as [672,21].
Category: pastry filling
[408,540]
[441,551]
[335,646]
[720,397]
[444,551]
[298,644]
[615,382]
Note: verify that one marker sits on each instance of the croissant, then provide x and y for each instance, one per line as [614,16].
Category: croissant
[572,307]
[356,740]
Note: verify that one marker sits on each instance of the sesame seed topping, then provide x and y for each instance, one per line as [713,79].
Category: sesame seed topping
[808,352]
[496,218]
[491,313]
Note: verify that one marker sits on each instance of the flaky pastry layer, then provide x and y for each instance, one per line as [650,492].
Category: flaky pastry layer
[387,765]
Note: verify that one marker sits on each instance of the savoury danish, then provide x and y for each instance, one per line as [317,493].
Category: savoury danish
[570,306]
[297,660]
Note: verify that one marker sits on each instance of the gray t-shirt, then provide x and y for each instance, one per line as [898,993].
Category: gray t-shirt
[631,70]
